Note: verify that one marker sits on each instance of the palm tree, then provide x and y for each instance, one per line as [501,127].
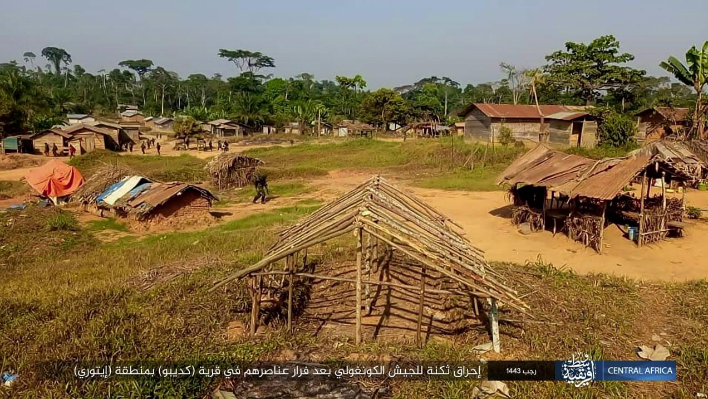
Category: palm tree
[694,73]
[535,77]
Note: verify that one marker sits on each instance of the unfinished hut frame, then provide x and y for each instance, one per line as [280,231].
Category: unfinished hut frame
[383,219]
[591,194]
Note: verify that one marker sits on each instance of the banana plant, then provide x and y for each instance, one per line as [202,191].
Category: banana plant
[694,73]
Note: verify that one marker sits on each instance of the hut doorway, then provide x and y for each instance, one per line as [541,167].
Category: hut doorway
[578,133]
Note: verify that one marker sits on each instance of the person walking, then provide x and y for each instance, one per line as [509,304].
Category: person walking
[130,145]
[55,150]
[157,147]
[142,147]
[46,149]
[72,151]
[211,146]
[261,183]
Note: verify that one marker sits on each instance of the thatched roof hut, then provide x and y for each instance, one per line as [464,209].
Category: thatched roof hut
[232,170]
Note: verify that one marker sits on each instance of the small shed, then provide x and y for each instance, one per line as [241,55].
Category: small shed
[269,129]
[572,129]
[354,128]
[46,140]
[226,127]
[19,143]
[171,200]
[426,129]
[130,132]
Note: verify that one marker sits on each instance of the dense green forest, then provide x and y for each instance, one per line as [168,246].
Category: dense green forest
[37,91]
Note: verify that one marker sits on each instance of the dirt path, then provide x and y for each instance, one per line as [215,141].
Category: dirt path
[485,219]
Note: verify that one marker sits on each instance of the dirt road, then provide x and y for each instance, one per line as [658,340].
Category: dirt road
[485,219]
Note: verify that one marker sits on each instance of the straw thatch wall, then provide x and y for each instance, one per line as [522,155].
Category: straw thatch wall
[232,170]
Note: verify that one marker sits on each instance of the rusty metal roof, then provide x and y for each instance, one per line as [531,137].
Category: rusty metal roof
[511,111]
[577,176]
[677,114]
[544,167]
[159,193]
[567,115]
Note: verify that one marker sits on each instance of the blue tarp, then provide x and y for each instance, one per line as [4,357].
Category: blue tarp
[137,190]
[109,190]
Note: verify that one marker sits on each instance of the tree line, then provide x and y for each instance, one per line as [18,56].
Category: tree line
[35,96]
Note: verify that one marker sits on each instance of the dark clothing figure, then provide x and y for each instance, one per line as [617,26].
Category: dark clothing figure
[261,183]
[130,145]
[46,149]
[72,151]
[218,145]
[142,147]
[211,146]
[55,150]
[225,146]
[186,143]
[157,147]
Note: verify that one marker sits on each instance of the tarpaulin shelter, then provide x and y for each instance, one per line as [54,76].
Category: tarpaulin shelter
[55,179]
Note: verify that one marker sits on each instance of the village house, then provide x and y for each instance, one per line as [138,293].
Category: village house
[658,122]
[86,138]
[292,128]
[225,127]
[130,132]
[458,128]
[325,128]
[426,129]
[353,128]
[149,122]
[563,125]
[45,141]
[269,129]
[132,116]
[19,143]
[162,124]
[79,118]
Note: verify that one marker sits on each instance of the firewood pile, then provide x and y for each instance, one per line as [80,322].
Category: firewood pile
[586,229]
[524,214]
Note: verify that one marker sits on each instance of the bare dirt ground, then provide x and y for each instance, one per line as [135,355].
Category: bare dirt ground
[485,219]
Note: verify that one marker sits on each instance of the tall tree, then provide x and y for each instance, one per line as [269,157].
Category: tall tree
[589,69]
[535,78]
[693,73]
[141,67]
[56,56]
[29,57]
[515,78]
[245,60]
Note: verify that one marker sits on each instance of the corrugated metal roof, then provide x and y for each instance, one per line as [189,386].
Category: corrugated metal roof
[676,114]
[76,116]
[161,193]
[73,128]
[511,111]
[607,178]
[566,115]
[162,121]
[130,113]
[55,131]
[544,167]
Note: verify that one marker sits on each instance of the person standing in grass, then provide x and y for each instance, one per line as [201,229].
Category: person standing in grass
[261,183]
[157,147]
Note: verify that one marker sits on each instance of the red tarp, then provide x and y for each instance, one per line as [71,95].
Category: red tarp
[55,179]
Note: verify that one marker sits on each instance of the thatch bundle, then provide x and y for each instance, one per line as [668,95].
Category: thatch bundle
[232,170]
[103,178]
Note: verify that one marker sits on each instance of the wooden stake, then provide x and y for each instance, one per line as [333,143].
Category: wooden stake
[256,304]
[367,269]
[641,209]
[662,225]
[494,324]
[358,285]
[421,305]
[602,225]
[290,262]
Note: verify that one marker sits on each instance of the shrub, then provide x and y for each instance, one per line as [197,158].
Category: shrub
[693,213]
[61,221]
[505,137]
[615,129]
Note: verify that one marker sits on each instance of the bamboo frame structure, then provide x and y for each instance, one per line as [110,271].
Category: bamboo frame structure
[384,218]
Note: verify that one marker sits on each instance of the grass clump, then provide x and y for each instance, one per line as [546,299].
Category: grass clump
[106,224]
[62,221]
[10,189]
[185,168]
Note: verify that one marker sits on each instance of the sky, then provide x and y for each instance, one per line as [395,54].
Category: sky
[389,42]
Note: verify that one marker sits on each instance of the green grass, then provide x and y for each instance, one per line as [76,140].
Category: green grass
[106,224]
[184,168]
[10,189]
[601,152]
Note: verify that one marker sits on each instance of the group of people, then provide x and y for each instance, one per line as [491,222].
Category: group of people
[150,142]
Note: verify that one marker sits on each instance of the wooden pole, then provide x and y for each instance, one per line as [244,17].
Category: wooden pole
[494,324]
[663,201]
[358,285]
[367,269]
[256,304]
[421,305]
[641,209]
[290,262]
[602,225]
